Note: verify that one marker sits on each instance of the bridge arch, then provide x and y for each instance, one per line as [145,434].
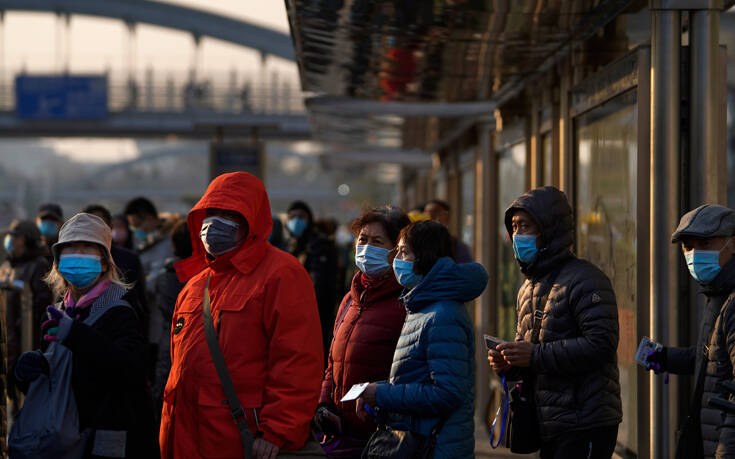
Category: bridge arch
[197,22]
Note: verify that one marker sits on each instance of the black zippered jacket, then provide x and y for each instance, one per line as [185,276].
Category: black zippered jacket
[574,367]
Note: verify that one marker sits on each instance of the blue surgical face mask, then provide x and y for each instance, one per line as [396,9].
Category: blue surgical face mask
[404,273]
[48,228]
[372,260]
[140,234]
[297,226]
[704,265]
[8,244]
[524,246]
[80,270]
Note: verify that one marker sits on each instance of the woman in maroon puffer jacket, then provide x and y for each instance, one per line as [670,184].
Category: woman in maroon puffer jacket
[366,331]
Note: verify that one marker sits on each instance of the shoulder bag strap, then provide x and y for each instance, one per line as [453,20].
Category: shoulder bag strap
[538,313]
[238,414]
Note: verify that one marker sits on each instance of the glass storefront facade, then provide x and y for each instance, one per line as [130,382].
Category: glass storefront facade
[511,184]
[467,216]
[606,144]
[548,159]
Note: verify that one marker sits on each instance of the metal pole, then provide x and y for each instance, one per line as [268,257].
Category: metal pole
[705,130]
[486,240]
[665,100]
[67,43]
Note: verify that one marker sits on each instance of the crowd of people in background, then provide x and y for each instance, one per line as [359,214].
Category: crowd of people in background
[222,333]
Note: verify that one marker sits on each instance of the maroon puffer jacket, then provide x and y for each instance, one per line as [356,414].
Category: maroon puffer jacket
[363,345]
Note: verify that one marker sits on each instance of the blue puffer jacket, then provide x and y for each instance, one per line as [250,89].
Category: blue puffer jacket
[433,371]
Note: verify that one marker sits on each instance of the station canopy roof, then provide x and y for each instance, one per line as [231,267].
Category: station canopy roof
[387,74]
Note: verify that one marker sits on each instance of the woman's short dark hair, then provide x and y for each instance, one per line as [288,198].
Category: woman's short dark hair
[391,218]
[181,239]
[429,241]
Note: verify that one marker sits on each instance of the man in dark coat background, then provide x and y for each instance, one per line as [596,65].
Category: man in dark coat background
[706,238]
[318,255]
[572,363]
[23,271]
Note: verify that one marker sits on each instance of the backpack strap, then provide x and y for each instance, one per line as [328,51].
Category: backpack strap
[238,414]
[538,313]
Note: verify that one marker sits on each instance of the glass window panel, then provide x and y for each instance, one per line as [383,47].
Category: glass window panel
[512,183]
[467,222]
[547,157]
[440,185]
[606,146]
[731,148]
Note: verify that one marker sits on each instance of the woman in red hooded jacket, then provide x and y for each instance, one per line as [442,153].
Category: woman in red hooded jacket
[265,314]
[368,325]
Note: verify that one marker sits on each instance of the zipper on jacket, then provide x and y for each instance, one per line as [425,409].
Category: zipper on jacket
[347,341]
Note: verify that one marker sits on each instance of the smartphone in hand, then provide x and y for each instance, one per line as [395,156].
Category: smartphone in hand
[491,342]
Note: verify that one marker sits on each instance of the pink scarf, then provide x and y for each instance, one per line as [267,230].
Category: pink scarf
[86,300]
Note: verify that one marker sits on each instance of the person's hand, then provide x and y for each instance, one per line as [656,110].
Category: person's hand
[497,362]
[516,353]
[360,410]
[327,421]
[263,449]
[30,366]
[57,327]
[369,394]
[656,360]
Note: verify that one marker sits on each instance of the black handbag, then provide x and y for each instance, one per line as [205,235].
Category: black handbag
[387,442]
[524,434]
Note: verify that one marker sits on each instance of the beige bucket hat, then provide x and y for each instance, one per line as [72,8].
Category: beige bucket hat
[83,228]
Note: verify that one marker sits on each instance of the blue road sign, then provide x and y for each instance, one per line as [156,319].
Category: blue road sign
[64,97]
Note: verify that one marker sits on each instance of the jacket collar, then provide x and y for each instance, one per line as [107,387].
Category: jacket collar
[724,283]
[377,289]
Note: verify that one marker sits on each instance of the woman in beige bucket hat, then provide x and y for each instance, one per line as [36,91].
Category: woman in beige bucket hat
[96,320]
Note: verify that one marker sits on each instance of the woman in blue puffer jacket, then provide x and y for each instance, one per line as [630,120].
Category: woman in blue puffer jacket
[433,370]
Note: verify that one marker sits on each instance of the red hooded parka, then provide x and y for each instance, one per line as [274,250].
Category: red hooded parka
[265,313]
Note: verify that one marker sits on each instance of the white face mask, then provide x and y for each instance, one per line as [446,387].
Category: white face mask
[218,235]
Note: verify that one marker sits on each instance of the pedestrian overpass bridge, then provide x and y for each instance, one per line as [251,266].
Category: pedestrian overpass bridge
[192,109]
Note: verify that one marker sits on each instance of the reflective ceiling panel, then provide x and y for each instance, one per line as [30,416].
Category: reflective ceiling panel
[427,51]
[421,50]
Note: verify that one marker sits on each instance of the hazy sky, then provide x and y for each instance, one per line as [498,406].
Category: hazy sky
[98,44]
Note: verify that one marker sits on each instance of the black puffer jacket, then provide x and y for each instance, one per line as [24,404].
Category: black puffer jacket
[718,321]
[575,364]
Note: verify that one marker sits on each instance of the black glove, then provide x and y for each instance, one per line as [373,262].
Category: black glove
[657,360]
[327,421]
[30,366]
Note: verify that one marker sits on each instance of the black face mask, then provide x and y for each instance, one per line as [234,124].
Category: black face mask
[218,235]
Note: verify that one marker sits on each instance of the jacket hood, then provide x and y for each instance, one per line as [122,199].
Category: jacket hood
[240,192]
[550,208]
[447,281]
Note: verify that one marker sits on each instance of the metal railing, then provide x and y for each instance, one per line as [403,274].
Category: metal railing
[272,98]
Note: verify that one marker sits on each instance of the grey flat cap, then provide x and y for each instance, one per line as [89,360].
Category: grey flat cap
[83,228]
[705,221]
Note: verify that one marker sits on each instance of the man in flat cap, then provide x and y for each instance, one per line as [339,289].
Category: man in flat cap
[706,238]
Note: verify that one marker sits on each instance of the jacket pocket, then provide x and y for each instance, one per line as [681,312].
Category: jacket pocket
[218,434]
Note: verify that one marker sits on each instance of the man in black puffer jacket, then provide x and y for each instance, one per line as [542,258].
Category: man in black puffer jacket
[706,237]
[572,365]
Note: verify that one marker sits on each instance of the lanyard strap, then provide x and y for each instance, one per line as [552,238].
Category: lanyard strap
[504,419]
